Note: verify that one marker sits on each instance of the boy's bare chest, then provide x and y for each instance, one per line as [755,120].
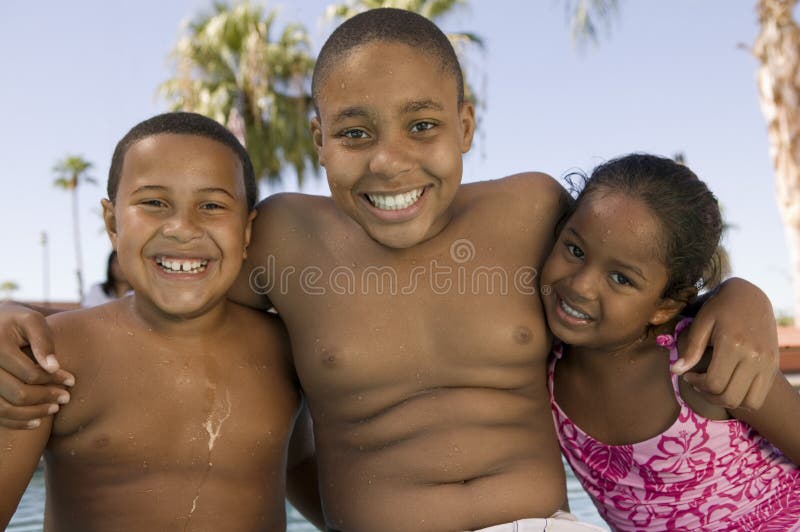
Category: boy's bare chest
[463,313]
[162,411]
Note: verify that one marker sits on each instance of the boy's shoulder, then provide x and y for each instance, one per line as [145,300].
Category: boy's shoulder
[252,321]
[529,194]
[294,207]
[76,333]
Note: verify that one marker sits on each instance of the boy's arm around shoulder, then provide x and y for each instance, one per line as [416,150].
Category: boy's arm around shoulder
[738,321]
[778,418]
[278,218]
[302,481]
[27,390]
[20,451]
[532,203]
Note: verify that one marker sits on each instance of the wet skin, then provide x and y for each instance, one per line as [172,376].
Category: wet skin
[184,402]
[429,400]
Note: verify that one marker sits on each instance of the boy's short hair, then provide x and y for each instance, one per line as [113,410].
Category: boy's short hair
[386,24]
[182,123]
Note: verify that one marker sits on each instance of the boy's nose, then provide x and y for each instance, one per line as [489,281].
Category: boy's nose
[182,227]
[390,159]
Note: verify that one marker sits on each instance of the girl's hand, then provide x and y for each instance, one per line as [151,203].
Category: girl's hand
[740,325]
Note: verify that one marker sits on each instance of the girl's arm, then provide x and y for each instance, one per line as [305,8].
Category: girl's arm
[20,451]
[778,419]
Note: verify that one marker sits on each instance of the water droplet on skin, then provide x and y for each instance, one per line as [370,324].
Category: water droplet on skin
[360,397]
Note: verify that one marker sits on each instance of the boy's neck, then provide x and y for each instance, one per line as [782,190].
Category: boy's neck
[195,327]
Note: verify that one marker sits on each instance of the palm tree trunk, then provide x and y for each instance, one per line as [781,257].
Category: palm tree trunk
[777,48]
[76,235]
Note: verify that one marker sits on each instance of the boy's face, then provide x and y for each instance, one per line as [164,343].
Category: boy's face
[391,135]
[180,223]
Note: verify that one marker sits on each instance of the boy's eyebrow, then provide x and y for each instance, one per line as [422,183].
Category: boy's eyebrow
[411,106]
[422,105]
[218,189]
[146,188]
[351,112]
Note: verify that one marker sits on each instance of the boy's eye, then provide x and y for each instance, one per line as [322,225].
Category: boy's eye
[153,203]
[575,251]
[621,279]
[422,126]
[211,206]
[353,134]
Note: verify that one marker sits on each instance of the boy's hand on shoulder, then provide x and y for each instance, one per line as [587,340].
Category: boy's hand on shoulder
[738,322]
[28,391]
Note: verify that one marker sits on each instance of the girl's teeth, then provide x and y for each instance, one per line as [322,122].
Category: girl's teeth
[395,202]
[572,312]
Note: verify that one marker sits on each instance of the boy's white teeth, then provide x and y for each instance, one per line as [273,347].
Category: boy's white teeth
[572,312]
[395,202]
[181,265]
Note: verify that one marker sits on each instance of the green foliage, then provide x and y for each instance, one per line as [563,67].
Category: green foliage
[8,288]
[230,67]
[71,171]
[585,17]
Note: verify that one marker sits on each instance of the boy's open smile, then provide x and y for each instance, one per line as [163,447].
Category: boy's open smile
[180,228]
[390,134]
[175,265]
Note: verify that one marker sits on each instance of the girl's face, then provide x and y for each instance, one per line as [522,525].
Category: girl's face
[603,281]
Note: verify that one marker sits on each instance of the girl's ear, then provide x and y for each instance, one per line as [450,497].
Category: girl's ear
[110,220]
[668,308]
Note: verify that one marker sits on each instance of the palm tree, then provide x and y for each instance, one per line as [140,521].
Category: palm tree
[585,17]
[229,68]
[8,288]
[777,48]
[430,9]
[70,173]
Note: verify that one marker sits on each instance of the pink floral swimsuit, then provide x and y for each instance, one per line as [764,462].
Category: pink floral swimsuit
[699,474]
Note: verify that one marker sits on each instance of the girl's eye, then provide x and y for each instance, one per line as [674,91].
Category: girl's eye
[422,126]
[621,279]
[575,251]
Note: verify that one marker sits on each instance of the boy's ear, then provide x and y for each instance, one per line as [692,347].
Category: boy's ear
[666,310]
[110,220]
[316,135]
[248,230]
[467,125]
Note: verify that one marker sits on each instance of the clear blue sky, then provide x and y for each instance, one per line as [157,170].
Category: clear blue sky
[667,77]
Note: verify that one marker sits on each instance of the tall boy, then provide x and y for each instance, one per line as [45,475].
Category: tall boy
[184,402]
[411,301]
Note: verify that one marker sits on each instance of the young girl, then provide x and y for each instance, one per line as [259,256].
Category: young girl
[653,453]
